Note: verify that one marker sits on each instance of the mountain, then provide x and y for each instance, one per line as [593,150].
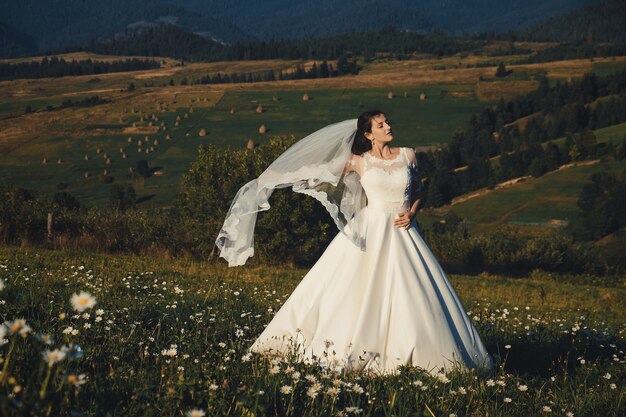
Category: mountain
[268,19]
[603,22]
[65,23]
[14,42]
[35,26]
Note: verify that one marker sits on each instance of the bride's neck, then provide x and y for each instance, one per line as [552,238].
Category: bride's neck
[381,150]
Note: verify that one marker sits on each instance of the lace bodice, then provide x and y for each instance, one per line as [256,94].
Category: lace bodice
[388,184]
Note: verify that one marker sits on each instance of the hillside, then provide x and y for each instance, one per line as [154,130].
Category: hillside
[602,22]
[76,22]
[59,25]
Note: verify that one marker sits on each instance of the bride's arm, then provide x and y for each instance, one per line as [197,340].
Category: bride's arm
[416,186]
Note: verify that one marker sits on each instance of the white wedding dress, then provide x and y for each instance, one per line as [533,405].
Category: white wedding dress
[389,305]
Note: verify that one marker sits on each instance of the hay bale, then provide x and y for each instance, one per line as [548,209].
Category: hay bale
[105,155]
[59,161]
[178,118]
[274,98]
[250,144]
[156,142]
[121,150]
[190,109]
[390,95]
[149,124]
[105,173]
[406,94]
[86,157]
[177,124]
[186,115]
[232,110]
[45,161]
[108,161]
[202,133]
[259,109]
[86,174]
[123,156]
[131,170]
[306,97]
[262,129]
[138,150]
[163,128]
[422,96]
[168,137]
[98,150]
[134,125]
[151,148]
[130,140]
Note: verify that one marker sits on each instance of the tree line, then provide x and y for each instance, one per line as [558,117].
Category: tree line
[172,41]
[59,67]
[323,70]
[566,109]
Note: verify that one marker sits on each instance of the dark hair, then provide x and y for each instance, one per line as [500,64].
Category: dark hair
[362,144]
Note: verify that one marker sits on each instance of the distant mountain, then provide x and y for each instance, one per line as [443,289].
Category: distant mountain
[58,24]
[63,23]
[14,42]
[604,22]
[268,19]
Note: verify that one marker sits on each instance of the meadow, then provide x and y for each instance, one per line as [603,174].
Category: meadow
[68,139]
[168,337]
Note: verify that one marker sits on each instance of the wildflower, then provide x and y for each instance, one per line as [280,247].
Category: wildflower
[310,378]
[311,392]
[442,378]
[222,344]
[522,388]
[546,409]
[76,380]
[171,352]
[613,386]
[81,302]
[490,383]
[418,383]
[196,412]
[334,391]
[462,391]
[507,400]
[1,284]
[507,346]
[246,357]
[569,414]
[274,370]
[213,387]
[607,376]
[285,389]
[99,312]
[353,409]
[18,326]
[53,356]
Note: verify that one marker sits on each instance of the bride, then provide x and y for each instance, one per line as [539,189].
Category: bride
[377,298]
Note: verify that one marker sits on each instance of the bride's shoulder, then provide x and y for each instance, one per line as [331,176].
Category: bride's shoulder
[410,154]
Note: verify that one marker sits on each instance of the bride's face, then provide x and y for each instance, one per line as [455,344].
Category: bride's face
[381,130]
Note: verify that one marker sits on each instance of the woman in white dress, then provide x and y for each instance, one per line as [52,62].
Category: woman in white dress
[377,298]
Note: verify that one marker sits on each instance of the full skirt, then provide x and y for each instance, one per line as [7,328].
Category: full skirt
[377,309]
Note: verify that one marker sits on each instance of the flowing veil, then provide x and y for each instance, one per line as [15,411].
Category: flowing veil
[316,166]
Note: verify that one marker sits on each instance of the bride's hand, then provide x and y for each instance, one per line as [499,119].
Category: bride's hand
[403,221]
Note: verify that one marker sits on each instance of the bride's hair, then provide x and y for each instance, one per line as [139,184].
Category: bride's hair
[362,144]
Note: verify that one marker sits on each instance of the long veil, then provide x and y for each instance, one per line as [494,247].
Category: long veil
[316,166]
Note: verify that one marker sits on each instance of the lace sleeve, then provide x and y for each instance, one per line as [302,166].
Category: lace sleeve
[416,183]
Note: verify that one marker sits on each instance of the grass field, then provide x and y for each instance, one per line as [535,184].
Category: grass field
[545,201]
[165,337]
[450,84]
